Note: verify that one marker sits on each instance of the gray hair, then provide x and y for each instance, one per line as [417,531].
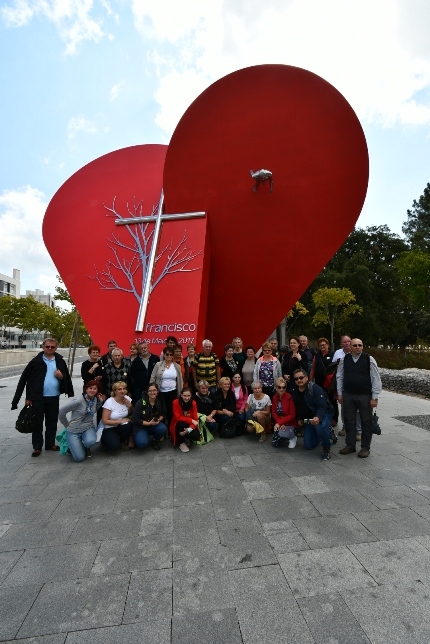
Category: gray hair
[256,383]
[118,350]
[203,383]
[207,342]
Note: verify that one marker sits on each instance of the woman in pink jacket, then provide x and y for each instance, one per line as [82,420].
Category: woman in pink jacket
[184,426]
[283,414]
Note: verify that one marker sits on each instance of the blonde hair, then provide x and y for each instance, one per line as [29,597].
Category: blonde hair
[116,385]
[266,345]
[280,381]
[223,381]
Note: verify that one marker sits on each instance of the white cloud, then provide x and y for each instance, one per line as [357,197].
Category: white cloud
[80,124]
[114,92]
[367,50]
[21,216]
[71,18]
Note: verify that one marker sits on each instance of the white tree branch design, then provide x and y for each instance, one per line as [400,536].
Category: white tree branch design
[126,271]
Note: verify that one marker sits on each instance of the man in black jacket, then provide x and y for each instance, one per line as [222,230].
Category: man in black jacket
[45,377]
[141,370]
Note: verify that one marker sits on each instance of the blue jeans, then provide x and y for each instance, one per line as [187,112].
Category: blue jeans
[79,442]
[315,434]
[141,438]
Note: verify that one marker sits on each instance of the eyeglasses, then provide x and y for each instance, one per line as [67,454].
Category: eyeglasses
[357,345]
[300,378]
[49,346]
[168,354]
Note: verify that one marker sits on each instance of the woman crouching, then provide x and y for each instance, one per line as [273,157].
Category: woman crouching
[116,410]
[81,433]
[284,416]
[257,409]
[184,427]
[149,419]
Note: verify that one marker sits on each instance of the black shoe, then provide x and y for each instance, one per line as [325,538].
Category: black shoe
[326,455]
[156,445]
[88,452]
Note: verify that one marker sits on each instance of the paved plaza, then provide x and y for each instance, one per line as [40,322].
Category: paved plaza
[233,542]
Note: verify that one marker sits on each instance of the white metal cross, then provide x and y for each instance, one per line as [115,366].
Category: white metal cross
[158,219]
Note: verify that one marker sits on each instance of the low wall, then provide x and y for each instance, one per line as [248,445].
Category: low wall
[409,381]
[11,357]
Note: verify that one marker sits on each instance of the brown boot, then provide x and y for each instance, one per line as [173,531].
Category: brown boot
[347,450]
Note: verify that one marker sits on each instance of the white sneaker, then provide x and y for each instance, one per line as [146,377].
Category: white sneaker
[183,447]
[293,442]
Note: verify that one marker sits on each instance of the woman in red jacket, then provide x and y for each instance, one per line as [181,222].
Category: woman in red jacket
[283,414]
[184,426]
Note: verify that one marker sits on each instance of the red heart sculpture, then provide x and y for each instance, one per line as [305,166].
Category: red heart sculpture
[101,263]
[266,248]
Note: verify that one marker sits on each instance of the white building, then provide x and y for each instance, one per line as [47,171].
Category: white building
[40,296]
[10,285]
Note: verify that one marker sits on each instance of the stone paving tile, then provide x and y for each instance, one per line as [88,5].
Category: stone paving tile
[77,604]
[310,484]
[27,511]
[396,613]
[246,542]
[331,531]
[7,562]
[191,518]
[37,534]
[315,572]
[394,560]
[54,563]
[58,638]
[279,509]
[422,510]
[190,469]
[259,472]
[212,627]
[330,620]
[19,493]
[219,476]
[155,631]
[330,504]
[266,607]
[137,499]
[157,522]
[84,506]
[395,496]
[191,491]
[129,555]
[393,524]
[106,526]
[64,489]
[149,596]
[283,536]
[196,591]
[258,490]
[283,487]
[228,503]
[14,606]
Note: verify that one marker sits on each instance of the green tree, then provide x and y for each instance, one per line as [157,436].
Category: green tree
[292,317]
[28,315]
[7,313]
[366,263]
[417,226]
[414,270]
[334,306]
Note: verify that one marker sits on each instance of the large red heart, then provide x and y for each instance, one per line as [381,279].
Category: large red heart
[98,260]
[267,247]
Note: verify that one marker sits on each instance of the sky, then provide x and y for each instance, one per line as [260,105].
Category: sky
[81,78]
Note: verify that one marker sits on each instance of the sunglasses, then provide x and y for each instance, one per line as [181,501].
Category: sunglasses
[49,346]
[281,387]
[168,354]
[357,345]
[300,378]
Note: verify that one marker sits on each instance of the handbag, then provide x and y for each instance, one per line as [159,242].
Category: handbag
[375,424]
[26,421]
[287,432]
[229,429]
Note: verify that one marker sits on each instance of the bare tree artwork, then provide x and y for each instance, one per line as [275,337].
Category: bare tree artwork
[127,270]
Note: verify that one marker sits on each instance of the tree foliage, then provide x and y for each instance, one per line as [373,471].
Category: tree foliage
[293,316]
[414,270]
[334,306]
[417,226]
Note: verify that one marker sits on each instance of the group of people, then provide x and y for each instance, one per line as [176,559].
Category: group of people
[141,399]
